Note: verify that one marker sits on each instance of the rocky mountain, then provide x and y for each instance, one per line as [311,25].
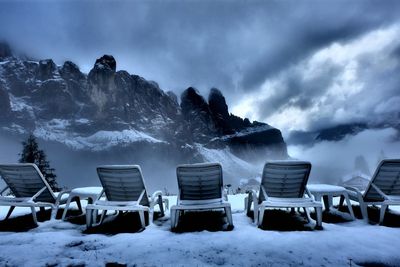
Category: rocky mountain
[108,109]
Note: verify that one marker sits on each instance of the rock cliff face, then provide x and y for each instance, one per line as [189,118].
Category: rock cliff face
[108,108]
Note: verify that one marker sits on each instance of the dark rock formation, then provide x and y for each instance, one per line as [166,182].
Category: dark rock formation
[63,99]
[46,69]
[75,81]
[5,107]
[212,123]
[198,115]
[101,83]
[219,111]
[70,71]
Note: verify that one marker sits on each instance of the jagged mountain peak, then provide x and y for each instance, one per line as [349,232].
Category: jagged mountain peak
[106,61]
[108,108]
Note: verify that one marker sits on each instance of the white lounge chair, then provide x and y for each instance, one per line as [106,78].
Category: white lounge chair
[124,190]
[283,185]
[30,189]
[200,188]
[383,189]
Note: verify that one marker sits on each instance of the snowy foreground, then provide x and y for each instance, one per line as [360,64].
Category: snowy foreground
[57,243]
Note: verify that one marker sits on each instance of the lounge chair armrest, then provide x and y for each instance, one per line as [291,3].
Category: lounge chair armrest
[143,194]
[252,198]
[38,193]
[100,195]
[352,188]
[379,191]
[3,190]
[308,193]
[63,192]
[225,195]
[253,194]
[155,195]
[264,192]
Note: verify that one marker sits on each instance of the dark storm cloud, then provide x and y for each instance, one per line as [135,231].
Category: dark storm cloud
[295,91]
[234,46]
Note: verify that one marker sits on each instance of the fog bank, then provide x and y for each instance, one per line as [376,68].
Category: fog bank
[333,160]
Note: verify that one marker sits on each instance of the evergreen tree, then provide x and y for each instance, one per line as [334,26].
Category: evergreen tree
[32,154]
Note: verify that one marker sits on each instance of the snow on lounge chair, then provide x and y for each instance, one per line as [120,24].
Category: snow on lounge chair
[383,189]
[30,189]
[283,185]
[124,188]
[200,188]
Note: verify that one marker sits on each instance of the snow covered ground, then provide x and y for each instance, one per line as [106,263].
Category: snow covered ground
[57,243]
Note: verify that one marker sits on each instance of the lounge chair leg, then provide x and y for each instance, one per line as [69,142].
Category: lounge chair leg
[247,203]
[66,208]
[318,210]
[160,204]
[78,203]
[326,203]
[9,212]
[348,203]
[142,220]
[151,216]
[382,213]
[341,201]
[364,211]
[256,214]
[33,209]
[307,212]
[94,216]
[260,215]
[229,215]
[89,218]
[54,210]
[103,215]
[174,214]
[166,202]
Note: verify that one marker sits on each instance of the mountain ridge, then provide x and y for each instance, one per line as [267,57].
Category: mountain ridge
[107,108]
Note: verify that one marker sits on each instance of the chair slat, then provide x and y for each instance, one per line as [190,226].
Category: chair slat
[386,178]
[200,181]
[122,183]
[285,179]
[25,180]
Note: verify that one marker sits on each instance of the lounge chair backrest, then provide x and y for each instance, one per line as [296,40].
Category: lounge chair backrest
[386,178]
[123,183]
[200,181]
[285,179]
[25,180]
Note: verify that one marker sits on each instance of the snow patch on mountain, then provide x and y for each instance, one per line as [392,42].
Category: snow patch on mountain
[55,130]
[231,164]
[19,104]
[246,131]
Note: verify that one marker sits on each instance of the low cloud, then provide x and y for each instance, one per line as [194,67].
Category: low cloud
[331,161]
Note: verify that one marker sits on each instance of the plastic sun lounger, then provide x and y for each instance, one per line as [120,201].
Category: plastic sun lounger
[383,189]
[124,189]
[283,185]
[200,188]
[30,189]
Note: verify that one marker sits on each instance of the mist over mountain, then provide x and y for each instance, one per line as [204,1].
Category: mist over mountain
[113,117]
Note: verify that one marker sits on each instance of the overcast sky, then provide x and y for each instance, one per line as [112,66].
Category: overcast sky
[298,65]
